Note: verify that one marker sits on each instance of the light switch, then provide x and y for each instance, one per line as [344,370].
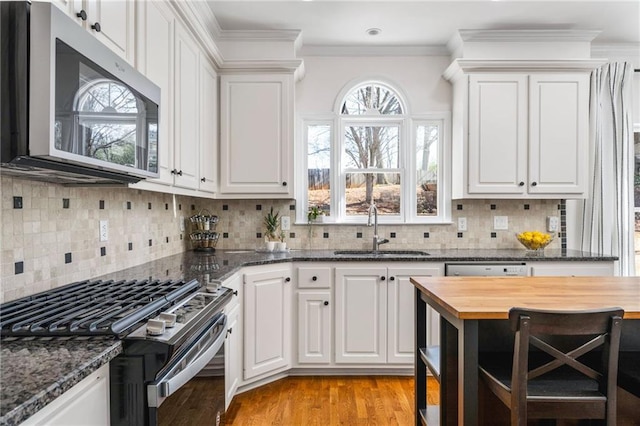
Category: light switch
[552,223]
[181,223]
[285,223]
[501,222]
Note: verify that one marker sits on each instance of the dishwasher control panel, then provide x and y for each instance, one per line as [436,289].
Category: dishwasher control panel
[476,269]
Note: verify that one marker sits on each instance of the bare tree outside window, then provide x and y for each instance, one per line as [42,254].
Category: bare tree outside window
[427,139]
[372,148]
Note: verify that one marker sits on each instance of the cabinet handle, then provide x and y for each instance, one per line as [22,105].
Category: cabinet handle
[326,303]
[284,183]
[382,278]
[235,293]
[96,27]
[179,173]
[534,183]
[314,278]
[82,15]
[203,180]
[287,279]
[392,278]
[521,184]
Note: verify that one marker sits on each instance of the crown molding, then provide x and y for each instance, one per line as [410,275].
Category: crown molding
[459,66]
[203,24]
[328,50]
[537,35]
[615,49]
[259,35]
[261,65]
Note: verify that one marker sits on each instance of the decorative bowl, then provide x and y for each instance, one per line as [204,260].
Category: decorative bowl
[534,241]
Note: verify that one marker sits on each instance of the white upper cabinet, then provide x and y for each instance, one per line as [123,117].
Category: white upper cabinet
[155,26]
[518,132]
[208,126]
[110,21]
[187,110]
[256,134]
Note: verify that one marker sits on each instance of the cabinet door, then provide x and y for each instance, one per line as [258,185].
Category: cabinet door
[361,315]
[208,126]
[401,312]
[497,145]
[116,21]
[187,110]
[233,355]
[559,133]
[267,321]
[256,125]
[314,327]
[86,403]
[155,25]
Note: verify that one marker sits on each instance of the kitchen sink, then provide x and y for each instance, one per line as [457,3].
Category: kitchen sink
[381,253]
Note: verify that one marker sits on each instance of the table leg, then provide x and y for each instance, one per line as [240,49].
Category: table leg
[420,367]
[468,373]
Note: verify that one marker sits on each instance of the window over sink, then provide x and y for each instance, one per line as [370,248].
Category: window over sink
[372,148]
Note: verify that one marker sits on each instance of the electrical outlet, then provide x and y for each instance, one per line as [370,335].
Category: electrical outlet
[181,223]
[104,230]
[285,223]
[462,224]
[553,223]
[501,222]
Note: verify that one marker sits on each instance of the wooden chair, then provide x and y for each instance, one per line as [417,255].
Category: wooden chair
[549,382]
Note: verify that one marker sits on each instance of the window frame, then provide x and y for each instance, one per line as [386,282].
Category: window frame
[407,124]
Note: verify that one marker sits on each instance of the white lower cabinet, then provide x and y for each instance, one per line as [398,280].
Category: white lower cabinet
[233,344]
[374,313]
[267,319]
[314,327]
[572,269]
[86,404]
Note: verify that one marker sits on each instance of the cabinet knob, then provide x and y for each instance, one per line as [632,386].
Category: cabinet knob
[174,171]
[521,184]
[82,15]
[534,183]
[287,279]
[179,173]
[96,27]
[314,278]
[235,293]
[284,183]
[382,278]
[203,180]
[326,303]
[392,278]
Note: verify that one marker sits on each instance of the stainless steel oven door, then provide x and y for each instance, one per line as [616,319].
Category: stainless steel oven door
[195,358]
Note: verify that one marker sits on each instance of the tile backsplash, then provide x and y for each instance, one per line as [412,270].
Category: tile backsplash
[50,233]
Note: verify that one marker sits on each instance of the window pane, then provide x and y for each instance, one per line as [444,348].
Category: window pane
[319,166]
[383,187]
[371,147]
[427,137]
[371,99]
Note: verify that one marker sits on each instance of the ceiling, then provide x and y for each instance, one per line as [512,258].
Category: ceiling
[426,22]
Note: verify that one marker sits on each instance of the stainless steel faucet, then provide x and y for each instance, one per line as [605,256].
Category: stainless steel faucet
[376,241]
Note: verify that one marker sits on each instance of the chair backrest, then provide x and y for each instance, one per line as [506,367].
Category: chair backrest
[534,327]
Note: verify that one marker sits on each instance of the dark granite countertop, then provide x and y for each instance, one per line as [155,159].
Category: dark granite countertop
[33,373]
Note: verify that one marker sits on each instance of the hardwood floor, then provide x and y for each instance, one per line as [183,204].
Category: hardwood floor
[293,401]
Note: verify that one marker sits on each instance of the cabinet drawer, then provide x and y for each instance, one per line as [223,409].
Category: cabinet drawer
[314,277]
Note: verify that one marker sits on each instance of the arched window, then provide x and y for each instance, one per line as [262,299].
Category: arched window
[109,121]
[374,152]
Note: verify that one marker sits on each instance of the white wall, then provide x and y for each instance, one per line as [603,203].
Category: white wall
[418,77]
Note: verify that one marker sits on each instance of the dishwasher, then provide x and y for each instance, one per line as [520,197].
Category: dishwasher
[479,269]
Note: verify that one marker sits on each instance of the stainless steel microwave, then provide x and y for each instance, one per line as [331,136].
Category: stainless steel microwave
[72,111]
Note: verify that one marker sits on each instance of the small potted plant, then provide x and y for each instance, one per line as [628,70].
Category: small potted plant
[315,215]
[271,223]
[281,245]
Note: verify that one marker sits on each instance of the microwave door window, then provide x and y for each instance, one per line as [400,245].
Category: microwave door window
[100,117]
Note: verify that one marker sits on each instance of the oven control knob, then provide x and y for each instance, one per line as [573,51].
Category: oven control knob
[169,319]
[155,327]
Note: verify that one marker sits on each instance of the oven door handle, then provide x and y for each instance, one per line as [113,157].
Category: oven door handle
[195,359]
